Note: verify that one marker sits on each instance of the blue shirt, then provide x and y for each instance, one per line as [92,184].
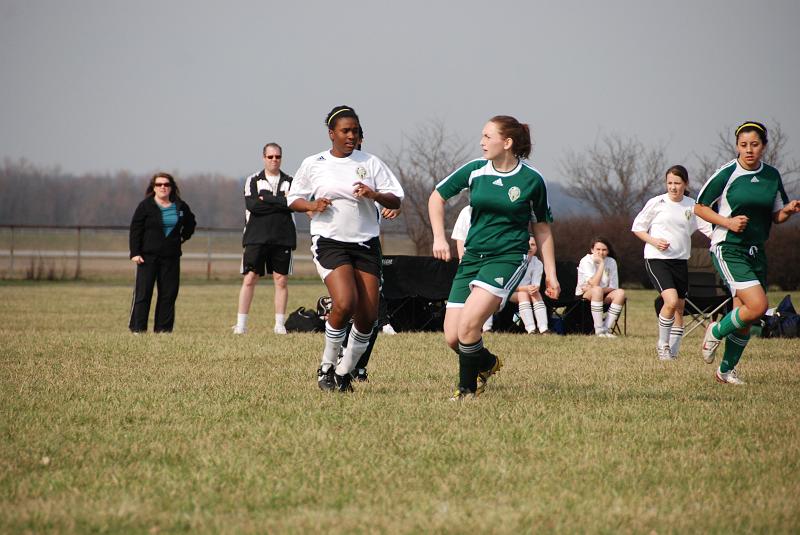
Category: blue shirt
[169,218]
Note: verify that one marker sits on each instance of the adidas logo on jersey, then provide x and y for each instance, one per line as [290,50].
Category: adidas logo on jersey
[499,280]
[498,182]
[754,179]
[321,158]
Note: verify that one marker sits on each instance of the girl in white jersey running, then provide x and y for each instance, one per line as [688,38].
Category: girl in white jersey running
[666,224]
[507,195]
[341,186]
[749,196]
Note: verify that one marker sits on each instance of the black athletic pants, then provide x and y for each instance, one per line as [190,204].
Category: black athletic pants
[163,272]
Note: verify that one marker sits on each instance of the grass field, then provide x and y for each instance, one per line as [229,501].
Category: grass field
[201,431]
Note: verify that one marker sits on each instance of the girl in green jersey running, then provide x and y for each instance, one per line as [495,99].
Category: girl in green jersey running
[507,196]
[749,196]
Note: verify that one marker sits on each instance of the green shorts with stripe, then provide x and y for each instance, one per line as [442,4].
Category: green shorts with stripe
[740,266]
[497,274]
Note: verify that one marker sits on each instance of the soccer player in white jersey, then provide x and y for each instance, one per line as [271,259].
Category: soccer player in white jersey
[341,186]
[459,235]
[748,196]
[531,307]
[598,282]
[666,224]
[506,195]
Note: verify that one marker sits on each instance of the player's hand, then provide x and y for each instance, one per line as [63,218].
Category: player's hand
[737,224]
[662,244]
[137,260]
[389,213]
[792,208]
[553,288]
[362,190]
[441,249]
[320,205]
[532,289]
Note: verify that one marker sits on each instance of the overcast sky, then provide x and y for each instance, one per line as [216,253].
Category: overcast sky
[200,86]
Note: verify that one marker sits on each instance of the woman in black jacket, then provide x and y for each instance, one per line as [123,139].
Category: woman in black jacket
[161,222]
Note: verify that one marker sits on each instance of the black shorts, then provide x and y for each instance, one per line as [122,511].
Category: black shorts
[329,254]
[667,274]
[263,259]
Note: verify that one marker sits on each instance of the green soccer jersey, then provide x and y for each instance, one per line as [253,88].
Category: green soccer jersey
[503,204]
[737,191]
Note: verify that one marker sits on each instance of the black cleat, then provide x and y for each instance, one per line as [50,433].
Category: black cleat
[360,375]
[325,380]
[342,382]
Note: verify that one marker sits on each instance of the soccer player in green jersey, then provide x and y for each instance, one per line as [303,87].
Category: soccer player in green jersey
[749,196]
[507,195]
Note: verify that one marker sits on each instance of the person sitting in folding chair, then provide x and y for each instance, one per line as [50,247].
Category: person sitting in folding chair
[666,224]
[598,282]
[532,309]
[749,196]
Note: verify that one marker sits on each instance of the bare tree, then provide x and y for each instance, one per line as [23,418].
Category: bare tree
[776,155]
[426,157]
[616,176]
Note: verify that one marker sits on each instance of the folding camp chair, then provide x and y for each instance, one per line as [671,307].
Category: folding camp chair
[568,309]
[415,289]
[706,300]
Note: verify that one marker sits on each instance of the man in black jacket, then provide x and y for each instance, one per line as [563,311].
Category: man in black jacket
[269,237]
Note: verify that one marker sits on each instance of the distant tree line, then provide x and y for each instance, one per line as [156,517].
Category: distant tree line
[30,195]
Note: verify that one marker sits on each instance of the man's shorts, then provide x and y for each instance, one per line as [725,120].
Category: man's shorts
[263,259]
[497,274]
[668,274]
[329,254]
[740,266]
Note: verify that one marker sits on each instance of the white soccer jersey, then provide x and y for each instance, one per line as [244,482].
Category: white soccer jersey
[587,268]
[348,218]
[533,275]
[461,228]
[672,221]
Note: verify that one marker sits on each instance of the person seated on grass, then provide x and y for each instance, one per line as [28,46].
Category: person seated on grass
[598,282]
[527,295]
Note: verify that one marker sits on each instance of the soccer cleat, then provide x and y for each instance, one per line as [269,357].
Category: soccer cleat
[606,334]
[462,394]
[342,382]
[728,377]
[664,353]
[388,329]
[239,330]
[483,377]
[325,379]
[360,375]
[279,329]
[710,344]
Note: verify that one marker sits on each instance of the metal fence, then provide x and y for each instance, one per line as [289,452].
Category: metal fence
[95,251]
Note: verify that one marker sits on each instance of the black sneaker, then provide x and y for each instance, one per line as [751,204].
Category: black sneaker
[325,380]
[342,382]
[360,375]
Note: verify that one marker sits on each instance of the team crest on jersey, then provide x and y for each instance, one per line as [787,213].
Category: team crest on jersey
[514,193]
[688,214]
[361,172]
